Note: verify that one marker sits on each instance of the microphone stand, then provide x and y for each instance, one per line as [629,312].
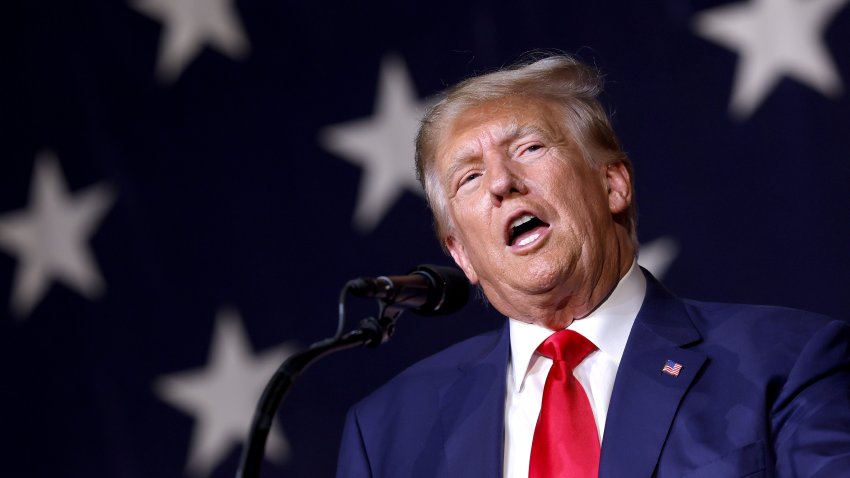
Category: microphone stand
[371,332]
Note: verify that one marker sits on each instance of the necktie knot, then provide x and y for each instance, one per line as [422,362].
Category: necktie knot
[566,346]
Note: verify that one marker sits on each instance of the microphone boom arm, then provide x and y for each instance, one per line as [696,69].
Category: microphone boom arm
[428,290]
[371,332]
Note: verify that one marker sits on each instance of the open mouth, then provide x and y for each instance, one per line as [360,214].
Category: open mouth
[525,229]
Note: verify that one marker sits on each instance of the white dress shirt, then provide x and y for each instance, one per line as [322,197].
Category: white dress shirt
[607,327]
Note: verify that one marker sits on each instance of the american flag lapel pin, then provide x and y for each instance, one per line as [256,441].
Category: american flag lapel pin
[672,368]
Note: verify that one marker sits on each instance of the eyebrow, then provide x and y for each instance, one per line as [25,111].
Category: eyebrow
[513,131]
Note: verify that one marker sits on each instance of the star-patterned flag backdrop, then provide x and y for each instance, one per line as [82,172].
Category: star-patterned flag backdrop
[187,184]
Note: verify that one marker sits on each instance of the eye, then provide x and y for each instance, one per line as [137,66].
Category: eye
[528,146]
[468,178]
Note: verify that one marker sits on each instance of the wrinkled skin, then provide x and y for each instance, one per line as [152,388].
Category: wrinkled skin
[510,158]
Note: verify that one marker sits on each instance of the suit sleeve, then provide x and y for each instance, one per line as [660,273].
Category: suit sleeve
[811,417]
[352,462]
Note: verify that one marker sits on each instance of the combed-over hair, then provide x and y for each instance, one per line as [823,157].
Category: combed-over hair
[560,79]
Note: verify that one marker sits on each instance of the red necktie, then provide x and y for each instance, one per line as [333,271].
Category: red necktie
[566,443]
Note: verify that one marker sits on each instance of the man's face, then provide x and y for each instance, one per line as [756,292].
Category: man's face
[531,220]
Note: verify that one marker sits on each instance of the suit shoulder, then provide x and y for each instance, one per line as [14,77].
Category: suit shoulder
[718,314]
[470,350]
[707,316]
[432,372]
[748,334]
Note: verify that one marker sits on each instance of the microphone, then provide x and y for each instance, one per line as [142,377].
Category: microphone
[427,290]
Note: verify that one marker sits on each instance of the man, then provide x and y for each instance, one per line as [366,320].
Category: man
[533,198]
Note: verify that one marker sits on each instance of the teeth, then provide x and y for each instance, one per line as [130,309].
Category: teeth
[529,239]
[521,220]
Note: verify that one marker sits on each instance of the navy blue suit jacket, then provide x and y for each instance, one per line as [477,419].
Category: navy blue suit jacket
[763,392]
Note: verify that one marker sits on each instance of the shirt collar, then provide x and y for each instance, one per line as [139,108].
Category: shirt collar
[607,327]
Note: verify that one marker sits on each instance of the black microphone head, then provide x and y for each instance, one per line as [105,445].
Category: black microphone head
[449,293]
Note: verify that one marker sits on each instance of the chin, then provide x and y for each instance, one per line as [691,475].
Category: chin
[552,271]
[545,276]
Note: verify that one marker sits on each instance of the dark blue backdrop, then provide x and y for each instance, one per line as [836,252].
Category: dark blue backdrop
[187,184]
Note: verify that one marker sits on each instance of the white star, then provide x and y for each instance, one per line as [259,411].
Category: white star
[774,38]
[190,24]
[223,396]
[382,145]
[50,237]
[656,256]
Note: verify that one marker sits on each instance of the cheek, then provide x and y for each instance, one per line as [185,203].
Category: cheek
[469,213]
[579,190]
[473,228]
[474,239]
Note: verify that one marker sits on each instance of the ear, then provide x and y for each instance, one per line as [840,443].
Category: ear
[458,253]
[619,187]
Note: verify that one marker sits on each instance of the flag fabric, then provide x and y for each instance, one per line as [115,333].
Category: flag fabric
[186,185]
[671,368]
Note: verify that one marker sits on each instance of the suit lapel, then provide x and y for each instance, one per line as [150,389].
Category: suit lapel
[472,409]
[645,399]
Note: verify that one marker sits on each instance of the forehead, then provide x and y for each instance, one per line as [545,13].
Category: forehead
[499,121]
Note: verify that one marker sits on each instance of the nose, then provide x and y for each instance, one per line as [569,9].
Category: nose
[503,180]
